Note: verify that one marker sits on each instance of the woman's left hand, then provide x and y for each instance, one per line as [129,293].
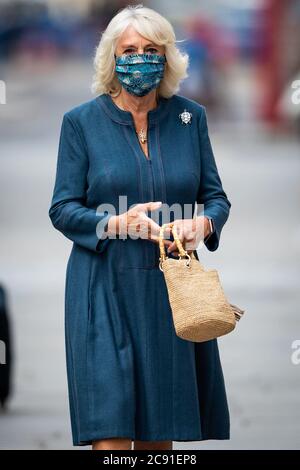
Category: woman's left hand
[190,233]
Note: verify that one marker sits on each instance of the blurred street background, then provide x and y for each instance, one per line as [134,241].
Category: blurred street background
[244,67]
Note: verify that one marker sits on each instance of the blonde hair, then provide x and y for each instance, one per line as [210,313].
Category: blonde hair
[150,25]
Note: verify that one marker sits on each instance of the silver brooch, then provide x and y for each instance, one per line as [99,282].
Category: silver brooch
[185,117]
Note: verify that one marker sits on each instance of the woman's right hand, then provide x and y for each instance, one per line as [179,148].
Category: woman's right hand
[136,224]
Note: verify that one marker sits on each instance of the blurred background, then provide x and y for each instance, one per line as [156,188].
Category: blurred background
[244,67]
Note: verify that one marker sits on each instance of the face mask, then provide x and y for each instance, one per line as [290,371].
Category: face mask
[140,73]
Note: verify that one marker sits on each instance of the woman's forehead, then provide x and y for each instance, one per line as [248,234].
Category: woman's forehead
[131,37]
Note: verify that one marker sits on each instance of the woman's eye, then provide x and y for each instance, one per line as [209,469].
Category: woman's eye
[151,50]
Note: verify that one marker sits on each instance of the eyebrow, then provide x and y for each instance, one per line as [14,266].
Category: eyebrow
[125,46]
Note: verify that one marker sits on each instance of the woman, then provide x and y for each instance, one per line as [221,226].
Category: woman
[130,377]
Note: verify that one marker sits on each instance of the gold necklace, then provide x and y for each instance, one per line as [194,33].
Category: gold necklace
[141,134]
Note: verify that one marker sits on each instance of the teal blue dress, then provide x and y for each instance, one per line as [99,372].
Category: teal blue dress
[129,374]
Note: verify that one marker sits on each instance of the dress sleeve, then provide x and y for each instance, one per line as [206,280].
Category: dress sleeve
[211,198]
[68,213]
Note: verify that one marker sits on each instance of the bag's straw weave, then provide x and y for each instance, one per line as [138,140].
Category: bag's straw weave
[199,306]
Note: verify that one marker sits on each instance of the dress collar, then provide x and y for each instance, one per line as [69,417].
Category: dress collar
[126,117]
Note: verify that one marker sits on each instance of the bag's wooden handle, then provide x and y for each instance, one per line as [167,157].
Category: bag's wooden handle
[161,243]
[181,250]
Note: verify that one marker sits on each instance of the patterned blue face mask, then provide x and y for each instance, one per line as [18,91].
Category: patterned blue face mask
[140,73]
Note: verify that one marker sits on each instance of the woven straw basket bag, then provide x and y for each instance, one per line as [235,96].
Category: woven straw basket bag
[199,306]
